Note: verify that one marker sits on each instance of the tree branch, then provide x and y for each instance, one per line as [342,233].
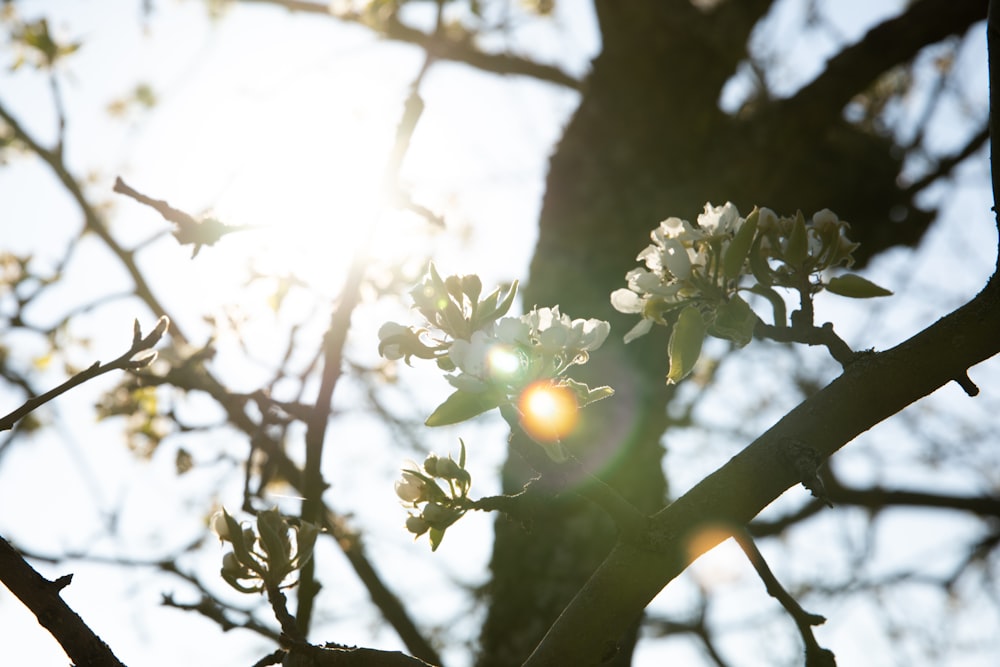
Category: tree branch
[888,44]
[92,220]
[816,655]
[127,361]
[41,596]
[810,335]
[438,46]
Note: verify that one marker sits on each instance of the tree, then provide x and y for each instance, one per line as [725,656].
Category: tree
[647,140]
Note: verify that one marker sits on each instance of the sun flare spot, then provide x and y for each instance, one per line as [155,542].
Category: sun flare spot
[549,413]
[504,363]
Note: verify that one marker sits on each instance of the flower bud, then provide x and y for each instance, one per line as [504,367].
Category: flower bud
[448,469]
[411,489]
[438,516]
[417,525]
[431,465]
[231,564]
[220,525]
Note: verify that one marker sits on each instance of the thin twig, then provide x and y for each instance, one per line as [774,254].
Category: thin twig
[333,353]
[126,361]
[816,655]
[630,521]
[812,335]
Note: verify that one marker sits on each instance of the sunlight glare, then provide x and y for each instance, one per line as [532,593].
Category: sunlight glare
[549,413]
[504,362]
[315,193]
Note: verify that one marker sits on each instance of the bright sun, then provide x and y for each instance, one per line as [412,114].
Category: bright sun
[307,173]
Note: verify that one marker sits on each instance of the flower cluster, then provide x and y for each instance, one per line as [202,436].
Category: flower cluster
[516,351]
[438,507]
[692,276]
[491,359]
[262,559]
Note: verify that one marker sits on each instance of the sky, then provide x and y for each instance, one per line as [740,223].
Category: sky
[283,122]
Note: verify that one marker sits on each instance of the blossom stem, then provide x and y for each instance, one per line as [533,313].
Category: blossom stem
[630,521]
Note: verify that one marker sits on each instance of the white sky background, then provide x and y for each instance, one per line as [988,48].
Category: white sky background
[283,121]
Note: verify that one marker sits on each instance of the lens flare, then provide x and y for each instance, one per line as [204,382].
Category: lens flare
[549,413]
[504,362]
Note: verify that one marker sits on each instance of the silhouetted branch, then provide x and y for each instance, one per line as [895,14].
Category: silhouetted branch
[127,361]
[438,46]
[188,230]
[816,655]
[888,44]
[41,596]
[946,164]
[698,626]
[92,219]
[810,335]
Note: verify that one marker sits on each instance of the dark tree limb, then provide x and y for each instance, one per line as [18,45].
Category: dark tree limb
[816,655]
[876,499]
[893,42]
[810,335]
[438,46]
[948,163]
[41,596]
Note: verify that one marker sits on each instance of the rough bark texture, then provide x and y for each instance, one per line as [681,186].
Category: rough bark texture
[646,142]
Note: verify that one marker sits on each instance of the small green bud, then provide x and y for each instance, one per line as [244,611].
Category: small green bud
[448,469]
[431,465]
[797,245]
[220,525]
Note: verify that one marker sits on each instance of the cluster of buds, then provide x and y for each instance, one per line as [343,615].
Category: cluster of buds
[693,275]
[263,559]
[492,360]
[438,491]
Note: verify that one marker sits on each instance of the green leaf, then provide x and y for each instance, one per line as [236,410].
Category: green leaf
[234,582]
[507,301]
[758,264]
[854,286]
[739,247]
[240,547]
[435,535]
[734,320]
[584,394]
[462,405]
[305,540]
[274,539]
[686,339]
